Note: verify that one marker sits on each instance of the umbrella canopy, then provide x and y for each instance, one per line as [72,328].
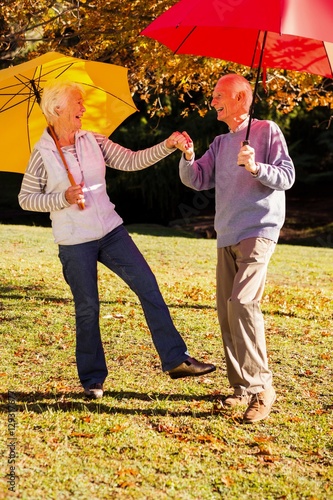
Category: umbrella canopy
[288,34]
[299,34]
[108,101]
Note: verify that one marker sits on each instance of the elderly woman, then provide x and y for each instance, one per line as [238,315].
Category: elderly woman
[96,233]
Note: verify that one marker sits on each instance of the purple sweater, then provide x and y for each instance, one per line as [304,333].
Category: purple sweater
[246,206]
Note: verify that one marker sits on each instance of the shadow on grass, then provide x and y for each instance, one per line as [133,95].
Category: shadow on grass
[27,292]
[37,402]
[9,293]
[56,300]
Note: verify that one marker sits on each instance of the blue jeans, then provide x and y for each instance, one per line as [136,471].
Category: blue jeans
[117,252]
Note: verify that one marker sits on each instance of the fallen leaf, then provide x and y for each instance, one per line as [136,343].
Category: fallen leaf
[82,434]
[227,481]
[126,484]
[124,472]
[116,428]
[264,439]
[237,466]
[267,458]
[207,439]
[86,418]
[320,411]
[265,450]
[295,419]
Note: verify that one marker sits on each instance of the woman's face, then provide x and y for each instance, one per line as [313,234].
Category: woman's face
[70,116]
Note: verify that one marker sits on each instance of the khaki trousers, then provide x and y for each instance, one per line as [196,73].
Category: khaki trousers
[240,276]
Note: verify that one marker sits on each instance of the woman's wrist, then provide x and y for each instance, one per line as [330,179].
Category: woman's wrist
[169,145]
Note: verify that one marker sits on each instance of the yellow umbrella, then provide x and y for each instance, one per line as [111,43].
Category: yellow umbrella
[107,99]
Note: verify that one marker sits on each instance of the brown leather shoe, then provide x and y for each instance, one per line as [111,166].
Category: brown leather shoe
[94,391]
[191,368]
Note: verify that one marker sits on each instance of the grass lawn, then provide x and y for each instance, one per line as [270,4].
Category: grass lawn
[151,437]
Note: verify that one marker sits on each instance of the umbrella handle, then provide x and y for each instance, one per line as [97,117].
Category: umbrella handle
[244,143]
[69,174]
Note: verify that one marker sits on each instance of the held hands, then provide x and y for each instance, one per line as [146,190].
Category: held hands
[246,158]
[183,142]
[74,194]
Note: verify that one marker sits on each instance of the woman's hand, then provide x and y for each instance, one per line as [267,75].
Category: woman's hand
[183,142]
[74,194]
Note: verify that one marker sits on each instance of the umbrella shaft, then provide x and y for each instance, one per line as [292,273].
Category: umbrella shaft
[69,174]
[36,91]
[255,87]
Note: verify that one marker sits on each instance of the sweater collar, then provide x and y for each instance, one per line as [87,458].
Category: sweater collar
[241,126]
[47,142]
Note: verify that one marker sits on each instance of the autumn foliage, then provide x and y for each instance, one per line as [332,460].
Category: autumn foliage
[109,31]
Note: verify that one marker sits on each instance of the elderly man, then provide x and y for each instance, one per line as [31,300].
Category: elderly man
[250,183]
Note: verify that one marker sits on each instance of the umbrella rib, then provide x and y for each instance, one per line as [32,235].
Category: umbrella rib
[106,92]
[20,92]
[65,68]
[5,107]
[184,39]
[255,50]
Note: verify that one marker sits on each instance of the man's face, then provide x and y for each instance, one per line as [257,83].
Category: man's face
[227,103]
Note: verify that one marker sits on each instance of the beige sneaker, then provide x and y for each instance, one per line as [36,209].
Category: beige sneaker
[236,400]
[260,406]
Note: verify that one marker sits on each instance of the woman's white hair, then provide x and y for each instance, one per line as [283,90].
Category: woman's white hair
[55,97]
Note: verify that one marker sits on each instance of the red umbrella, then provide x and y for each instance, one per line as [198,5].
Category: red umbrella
[286,34]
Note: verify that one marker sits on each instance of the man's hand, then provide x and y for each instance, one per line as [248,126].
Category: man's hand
[246,158]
